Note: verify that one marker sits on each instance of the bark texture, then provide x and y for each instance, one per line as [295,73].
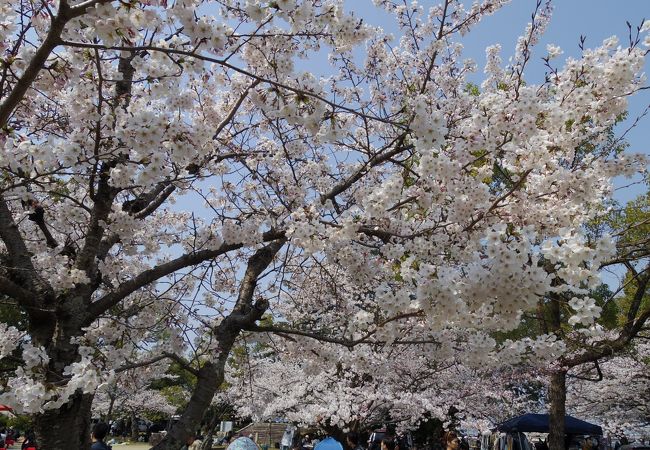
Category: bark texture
[65,428]
[557,411]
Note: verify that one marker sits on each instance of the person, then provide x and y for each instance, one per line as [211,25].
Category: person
[353,441]
[193,442]
[29,442]
[305,444]
[403,441]
[451,441]
[10,437]
[329,443]
[100,430]
[287,437]
[388,444]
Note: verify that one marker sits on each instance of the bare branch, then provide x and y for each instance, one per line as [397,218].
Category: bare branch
[148,276]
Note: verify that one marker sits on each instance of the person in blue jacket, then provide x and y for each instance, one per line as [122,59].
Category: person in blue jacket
[100,430]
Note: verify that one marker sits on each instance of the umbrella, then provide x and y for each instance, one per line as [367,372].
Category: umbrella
[243,443]
[329,444]
[6,411]
[539,423]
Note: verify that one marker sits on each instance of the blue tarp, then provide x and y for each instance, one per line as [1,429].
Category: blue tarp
[539,423]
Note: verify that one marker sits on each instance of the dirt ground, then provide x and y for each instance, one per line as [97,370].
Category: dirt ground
[138,446]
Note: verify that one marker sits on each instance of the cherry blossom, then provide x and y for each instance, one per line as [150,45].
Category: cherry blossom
[175,174]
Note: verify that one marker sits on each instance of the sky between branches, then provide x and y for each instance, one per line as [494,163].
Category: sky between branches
[594,19]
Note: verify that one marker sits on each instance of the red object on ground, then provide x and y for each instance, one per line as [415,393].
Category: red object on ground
[30,448]
[5,408]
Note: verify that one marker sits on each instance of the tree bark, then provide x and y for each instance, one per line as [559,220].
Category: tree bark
[68,427]
[557,411]
[65,428]
[209,437]
[209,378]
[135,432]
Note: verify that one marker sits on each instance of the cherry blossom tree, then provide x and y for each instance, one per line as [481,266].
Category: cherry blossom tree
[574,315]
[363,388]
[130,394]
[173,168]
[621,398]
[366,368]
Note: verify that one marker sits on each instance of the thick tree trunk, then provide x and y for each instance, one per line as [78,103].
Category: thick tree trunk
[557,411]
[66,428]
[209,379]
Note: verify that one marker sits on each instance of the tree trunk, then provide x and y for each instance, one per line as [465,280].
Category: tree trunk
[557,411]
[66,428]
[135,432]
[109,414]
[210,376]
[209,437]
[209,379]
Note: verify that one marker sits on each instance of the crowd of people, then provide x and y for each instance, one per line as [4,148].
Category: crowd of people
[10,437]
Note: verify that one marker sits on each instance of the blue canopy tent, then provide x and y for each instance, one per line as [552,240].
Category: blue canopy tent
[539,423]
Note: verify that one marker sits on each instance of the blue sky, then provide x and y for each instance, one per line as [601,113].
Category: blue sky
[595,19]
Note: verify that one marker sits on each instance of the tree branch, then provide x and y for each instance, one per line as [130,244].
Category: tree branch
[245,313]
[21,259]
[148,276]
[372,162]
[323,337]
[10,234]
[221,62]
[38,60]
[16,292]
[141,363]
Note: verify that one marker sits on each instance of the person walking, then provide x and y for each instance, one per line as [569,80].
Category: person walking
[388,443]
[100,430]
[194,442]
